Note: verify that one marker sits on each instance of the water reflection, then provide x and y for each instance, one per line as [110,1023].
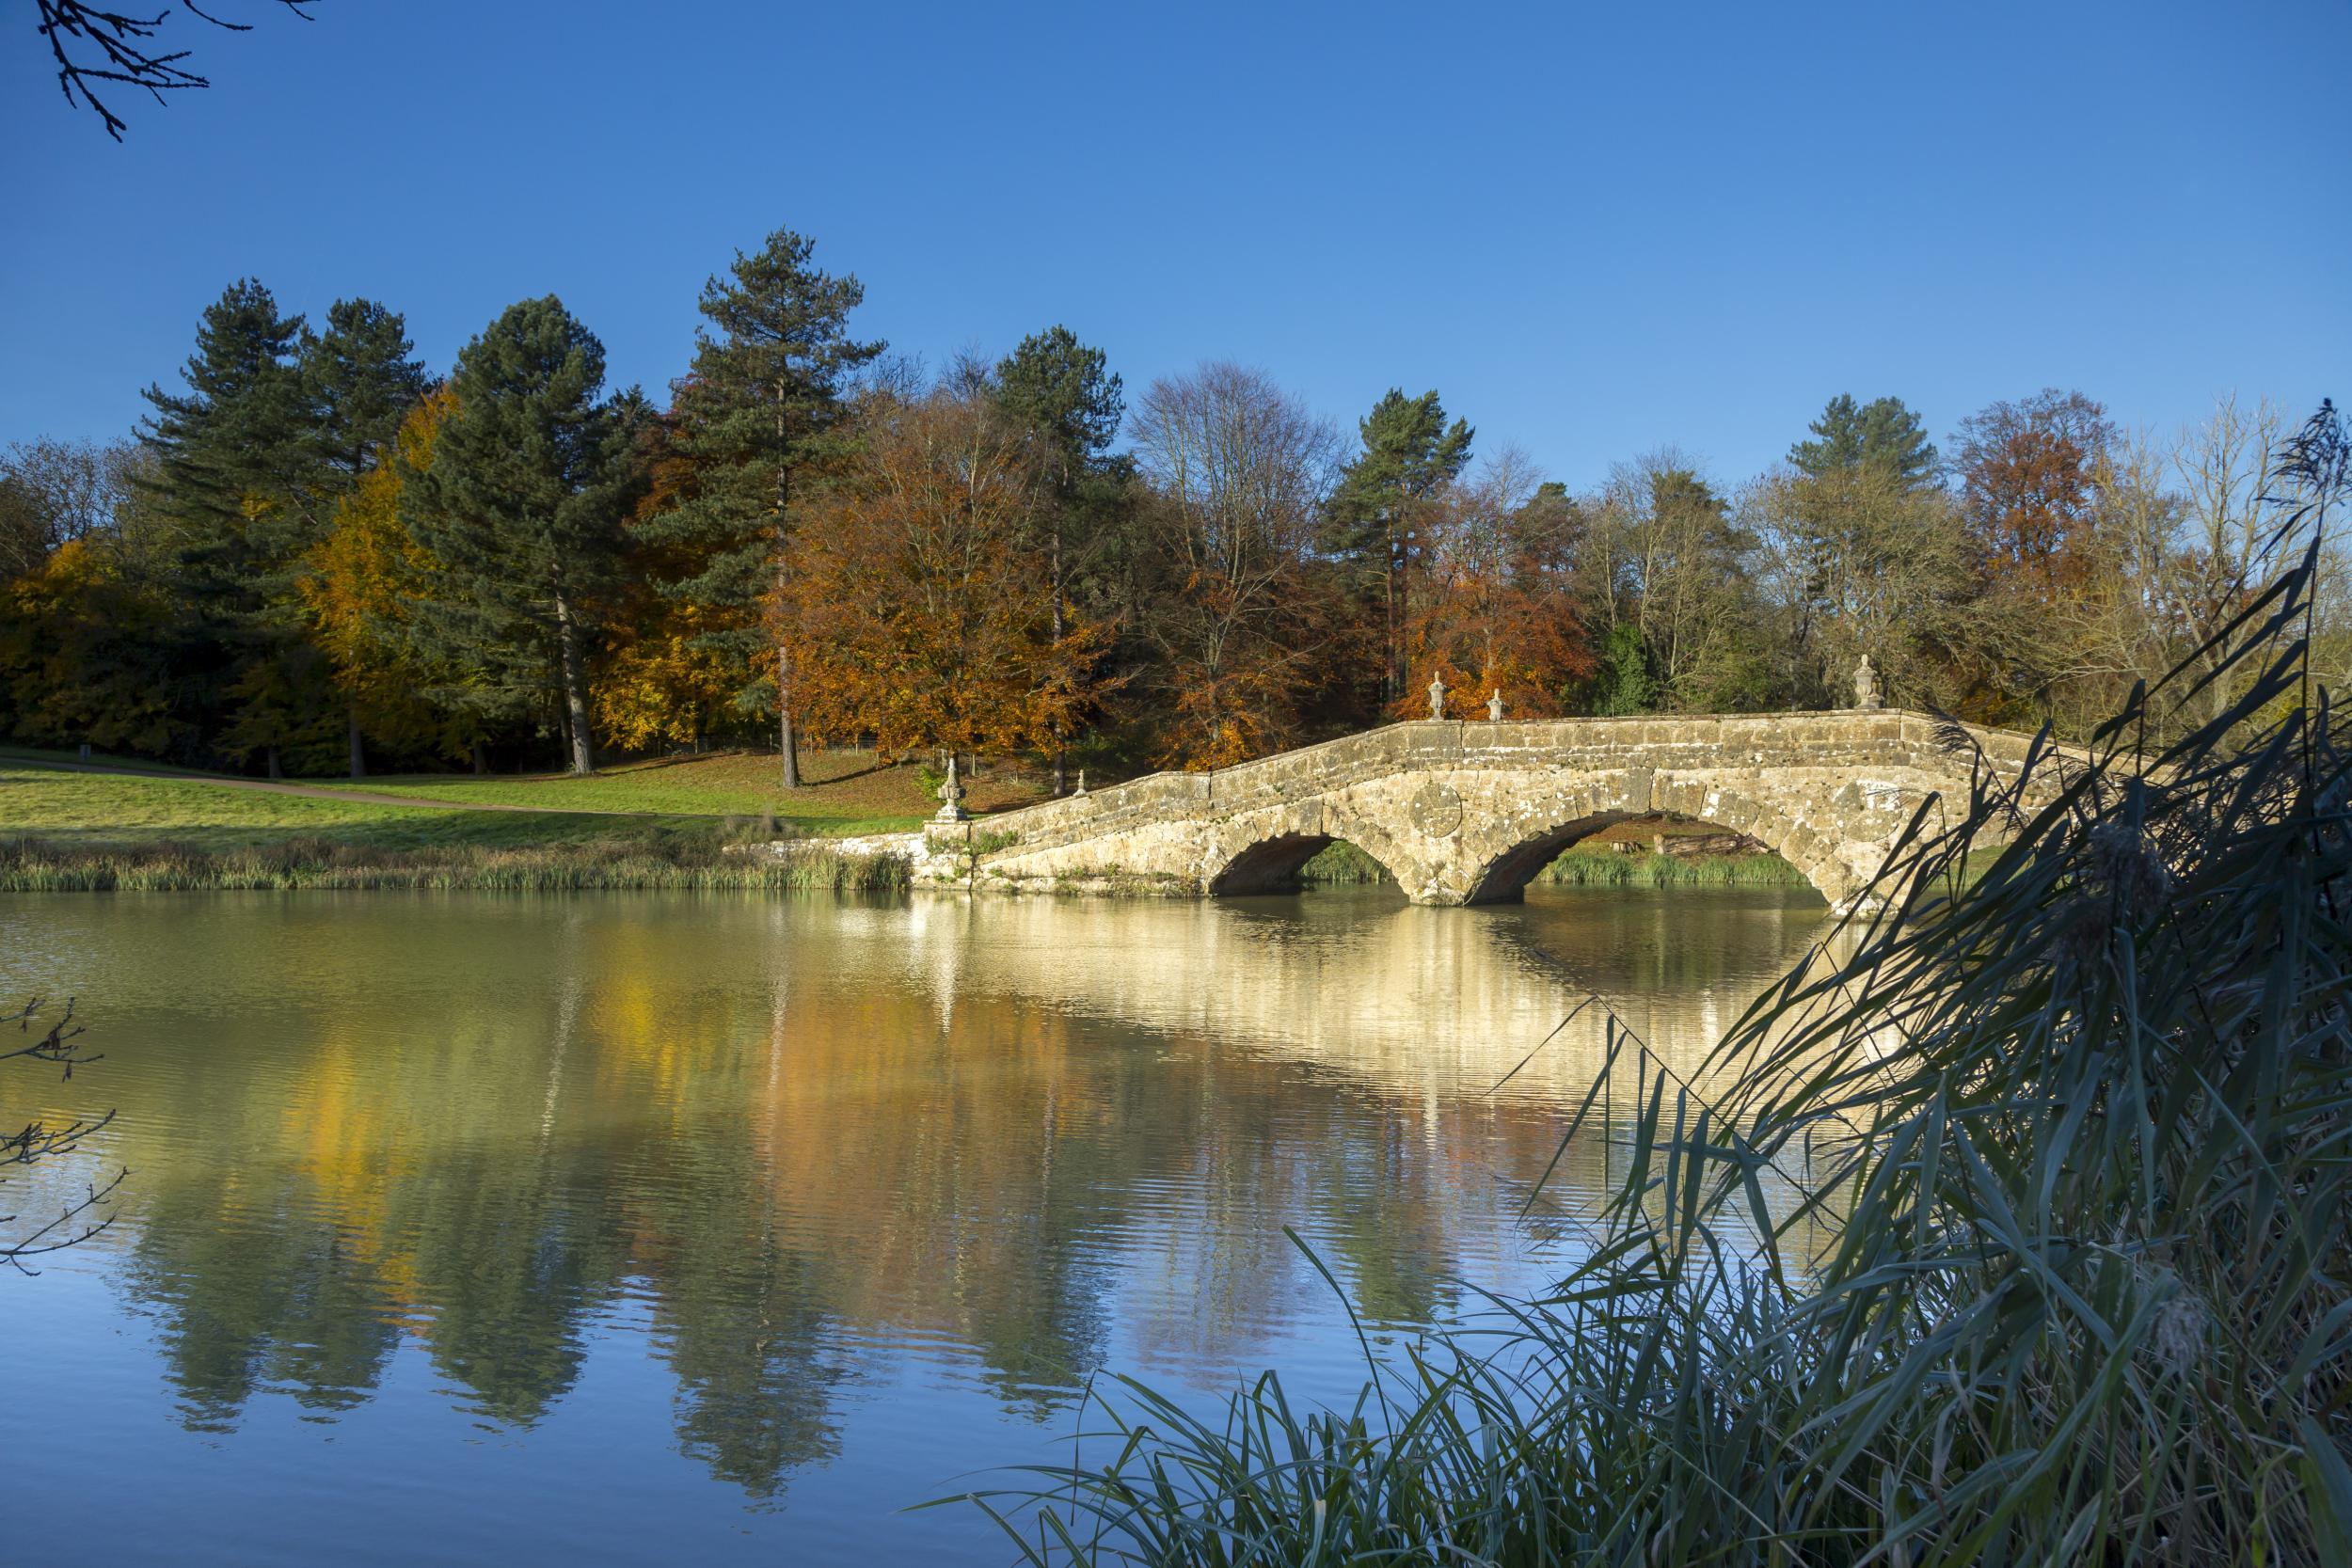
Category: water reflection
[813,1157]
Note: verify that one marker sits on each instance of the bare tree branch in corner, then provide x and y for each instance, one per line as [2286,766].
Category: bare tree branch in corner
[91,46]
[82,1216]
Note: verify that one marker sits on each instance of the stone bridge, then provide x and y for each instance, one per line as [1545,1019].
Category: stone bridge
[1468,813]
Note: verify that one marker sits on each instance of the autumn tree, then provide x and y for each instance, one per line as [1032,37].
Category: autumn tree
[1492,614]
[2029,476]
[670,672]
[1064,393]
[2029,483]
[361,586]
[759,408]
[54,492]
[917,615]
[1409,455]
[521,508]
[1238,473]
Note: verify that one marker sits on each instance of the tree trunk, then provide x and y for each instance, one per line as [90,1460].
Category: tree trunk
[274,773]
[354,743]
[787,742]
[481,755]
[575,683]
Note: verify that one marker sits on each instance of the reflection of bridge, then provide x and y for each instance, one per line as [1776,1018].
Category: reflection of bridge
[1468,813]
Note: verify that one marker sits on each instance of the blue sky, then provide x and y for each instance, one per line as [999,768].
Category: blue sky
[1595,230]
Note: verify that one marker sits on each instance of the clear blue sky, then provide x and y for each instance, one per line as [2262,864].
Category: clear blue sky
[1595,229]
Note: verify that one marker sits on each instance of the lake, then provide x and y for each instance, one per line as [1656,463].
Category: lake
[485,1229]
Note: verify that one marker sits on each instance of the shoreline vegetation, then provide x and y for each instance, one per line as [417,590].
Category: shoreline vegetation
[591,865]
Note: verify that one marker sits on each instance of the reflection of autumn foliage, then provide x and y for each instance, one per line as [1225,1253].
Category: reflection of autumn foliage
[918,614]
[1489,613]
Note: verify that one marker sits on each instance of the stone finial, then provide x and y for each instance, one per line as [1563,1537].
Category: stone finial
[1494,708]
[951,797]
[1436,696]
[1865,685]
[1082,783]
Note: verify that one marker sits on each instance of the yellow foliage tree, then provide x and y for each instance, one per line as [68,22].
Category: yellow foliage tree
[362,578]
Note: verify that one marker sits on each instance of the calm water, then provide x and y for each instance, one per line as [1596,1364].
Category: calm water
[472,1228]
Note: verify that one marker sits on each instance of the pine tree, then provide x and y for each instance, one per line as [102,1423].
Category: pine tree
[521,508]
[238,434]
[1409,453]
[232,471]
[759,405]
[360,379]
[1882,434]
[1066,394]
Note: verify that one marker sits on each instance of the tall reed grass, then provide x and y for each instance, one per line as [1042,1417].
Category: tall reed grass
[2077,1125]
[33,866]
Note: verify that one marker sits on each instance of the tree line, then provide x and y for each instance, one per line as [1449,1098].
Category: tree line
[315,555]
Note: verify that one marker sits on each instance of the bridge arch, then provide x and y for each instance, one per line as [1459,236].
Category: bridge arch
[1262,851]
[1272,864]
[1518,854]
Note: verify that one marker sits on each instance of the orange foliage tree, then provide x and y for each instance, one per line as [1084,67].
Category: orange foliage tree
[2029,488]
[1491,613]
[916,618]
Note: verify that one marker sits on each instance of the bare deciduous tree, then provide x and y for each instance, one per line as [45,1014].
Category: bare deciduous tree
[91,46]
[1239,471]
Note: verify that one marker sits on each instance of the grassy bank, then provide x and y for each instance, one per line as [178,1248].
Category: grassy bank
[1605,868]
[36,865]
[847,793]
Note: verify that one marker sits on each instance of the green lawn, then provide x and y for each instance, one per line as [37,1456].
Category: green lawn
[666,801]
[846,791]
[108,808]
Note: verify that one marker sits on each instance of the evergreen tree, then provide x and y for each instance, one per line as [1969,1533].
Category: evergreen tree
[1409,453]
[760,404]
[361,380]
[520,507]
[1882,434]
[232,471]
[231,451]
[1065,394]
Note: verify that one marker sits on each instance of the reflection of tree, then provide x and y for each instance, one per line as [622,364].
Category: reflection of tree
[957,1141]
[257,1294]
